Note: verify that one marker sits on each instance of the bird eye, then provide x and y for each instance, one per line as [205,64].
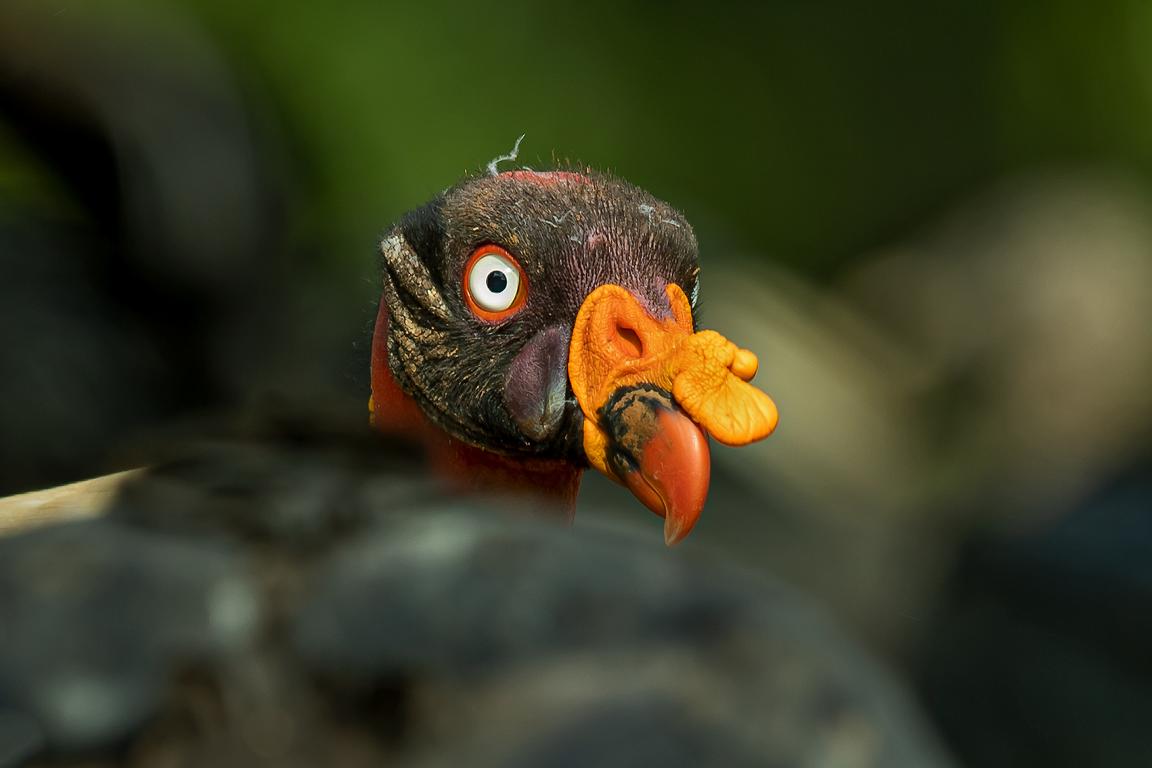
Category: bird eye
[494,284]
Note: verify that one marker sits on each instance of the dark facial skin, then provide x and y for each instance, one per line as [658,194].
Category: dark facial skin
[503,385]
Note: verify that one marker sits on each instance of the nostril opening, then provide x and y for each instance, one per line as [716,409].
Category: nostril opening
[630,341]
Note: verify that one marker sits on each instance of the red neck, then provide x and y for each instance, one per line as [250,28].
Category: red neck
[466,467]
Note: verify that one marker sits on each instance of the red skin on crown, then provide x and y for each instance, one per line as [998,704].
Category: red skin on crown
[547,177]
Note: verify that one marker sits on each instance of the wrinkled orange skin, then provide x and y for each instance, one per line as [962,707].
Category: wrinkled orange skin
[616,343]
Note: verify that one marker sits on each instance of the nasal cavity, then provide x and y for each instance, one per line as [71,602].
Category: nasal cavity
[629,341]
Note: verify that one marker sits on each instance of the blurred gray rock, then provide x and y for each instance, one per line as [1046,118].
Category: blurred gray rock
[94,614]
[310,599]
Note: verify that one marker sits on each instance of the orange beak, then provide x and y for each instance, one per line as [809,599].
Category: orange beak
[651,390]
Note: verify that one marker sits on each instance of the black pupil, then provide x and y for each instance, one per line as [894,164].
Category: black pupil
[497,281]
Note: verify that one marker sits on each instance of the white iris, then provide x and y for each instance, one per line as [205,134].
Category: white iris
[493,282]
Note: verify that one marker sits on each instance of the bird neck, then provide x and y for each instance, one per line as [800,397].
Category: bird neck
[466,467]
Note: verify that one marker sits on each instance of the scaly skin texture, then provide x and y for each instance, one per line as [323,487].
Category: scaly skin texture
[467,467]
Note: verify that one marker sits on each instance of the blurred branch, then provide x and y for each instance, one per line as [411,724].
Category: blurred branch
[75,501]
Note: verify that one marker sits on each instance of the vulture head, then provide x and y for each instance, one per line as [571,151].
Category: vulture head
[533,324]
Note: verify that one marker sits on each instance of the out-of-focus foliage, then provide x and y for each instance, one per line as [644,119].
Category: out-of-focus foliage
[812,130]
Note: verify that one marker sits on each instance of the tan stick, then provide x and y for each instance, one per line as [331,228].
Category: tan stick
[75,501]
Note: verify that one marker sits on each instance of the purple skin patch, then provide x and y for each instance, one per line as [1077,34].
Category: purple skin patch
[536,387]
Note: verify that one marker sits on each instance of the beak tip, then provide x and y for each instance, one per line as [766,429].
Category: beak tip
[669,463]
[674,531]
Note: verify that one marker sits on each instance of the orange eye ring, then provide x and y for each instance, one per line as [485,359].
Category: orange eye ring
[494,285]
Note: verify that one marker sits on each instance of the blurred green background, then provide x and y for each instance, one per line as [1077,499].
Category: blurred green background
[811,130]
[931,221]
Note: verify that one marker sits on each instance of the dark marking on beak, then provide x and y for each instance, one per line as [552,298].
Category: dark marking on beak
[660,454]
